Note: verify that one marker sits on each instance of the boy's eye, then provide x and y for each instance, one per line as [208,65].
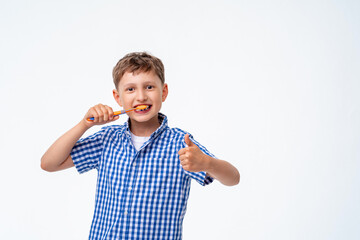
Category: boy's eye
[130,89]
[149,87]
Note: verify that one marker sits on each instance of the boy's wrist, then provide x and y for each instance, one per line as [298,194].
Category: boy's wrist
[82,124]
[208,163]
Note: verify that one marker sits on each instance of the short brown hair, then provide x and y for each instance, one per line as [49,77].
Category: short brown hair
[137,62]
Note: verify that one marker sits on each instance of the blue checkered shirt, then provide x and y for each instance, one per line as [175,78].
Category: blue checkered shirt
[139,194]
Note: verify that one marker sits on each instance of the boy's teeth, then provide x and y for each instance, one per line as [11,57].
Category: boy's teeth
[144,108]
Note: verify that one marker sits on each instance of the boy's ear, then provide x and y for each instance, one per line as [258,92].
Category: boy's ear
[117,97]
[165,92]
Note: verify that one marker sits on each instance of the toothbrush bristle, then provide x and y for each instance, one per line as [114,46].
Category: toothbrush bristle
[141,107]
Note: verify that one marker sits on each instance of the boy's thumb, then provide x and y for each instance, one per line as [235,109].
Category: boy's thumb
[188,141]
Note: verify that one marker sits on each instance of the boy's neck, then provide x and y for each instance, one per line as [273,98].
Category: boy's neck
[144,129]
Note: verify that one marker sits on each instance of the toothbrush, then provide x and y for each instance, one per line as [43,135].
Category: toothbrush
[140,107]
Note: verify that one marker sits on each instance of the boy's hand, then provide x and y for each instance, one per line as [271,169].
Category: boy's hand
[192,158]
[101,113]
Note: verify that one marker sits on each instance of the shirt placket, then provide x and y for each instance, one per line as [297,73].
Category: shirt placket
[130,186]
[129,192]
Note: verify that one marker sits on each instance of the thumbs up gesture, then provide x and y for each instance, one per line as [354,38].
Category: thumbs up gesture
[192,159]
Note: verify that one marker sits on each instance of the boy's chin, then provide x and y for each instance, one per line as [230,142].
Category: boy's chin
[144,118]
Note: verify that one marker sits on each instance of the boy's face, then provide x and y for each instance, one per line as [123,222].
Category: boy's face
[144,88]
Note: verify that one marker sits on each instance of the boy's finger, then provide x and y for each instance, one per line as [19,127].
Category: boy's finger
[91,113]
[115,118]
[94,114]
[182,151]
[182,158]
[98,114]
[110,112]
[188,141]
[105,115]
[185,167]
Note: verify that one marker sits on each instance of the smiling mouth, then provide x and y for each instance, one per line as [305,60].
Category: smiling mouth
[145,109]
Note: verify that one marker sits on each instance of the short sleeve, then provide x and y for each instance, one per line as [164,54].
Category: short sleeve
[201,177]
[87,152]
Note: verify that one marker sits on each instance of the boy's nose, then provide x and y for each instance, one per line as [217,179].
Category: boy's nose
[141,96]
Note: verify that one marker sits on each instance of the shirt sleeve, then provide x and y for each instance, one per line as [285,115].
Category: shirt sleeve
[87,152]
[201,177]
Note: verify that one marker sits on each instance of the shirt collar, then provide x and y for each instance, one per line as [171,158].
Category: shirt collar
[163,124]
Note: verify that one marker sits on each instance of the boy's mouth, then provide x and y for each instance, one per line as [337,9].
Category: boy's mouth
[143,110]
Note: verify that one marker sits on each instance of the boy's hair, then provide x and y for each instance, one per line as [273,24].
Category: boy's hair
[137,62]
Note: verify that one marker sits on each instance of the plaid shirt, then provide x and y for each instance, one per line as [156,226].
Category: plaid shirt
[139,194]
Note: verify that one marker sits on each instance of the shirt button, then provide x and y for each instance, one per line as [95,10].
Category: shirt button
[126,212]
[130,188]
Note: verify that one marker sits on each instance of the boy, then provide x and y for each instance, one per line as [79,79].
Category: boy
[144,167]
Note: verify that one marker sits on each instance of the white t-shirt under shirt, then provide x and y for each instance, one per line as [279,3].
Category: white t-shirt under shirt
[138,141]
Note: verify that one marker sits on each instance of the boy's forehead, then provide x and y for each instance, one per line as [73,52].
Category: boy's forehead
[138,77]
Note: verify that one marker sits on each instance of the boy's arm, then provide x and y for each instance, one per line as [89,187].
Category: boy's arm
[194,160]
[221,170]
[57,157]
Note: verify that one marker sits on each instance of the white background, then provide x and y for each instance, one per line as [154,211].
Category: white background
[270,86]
